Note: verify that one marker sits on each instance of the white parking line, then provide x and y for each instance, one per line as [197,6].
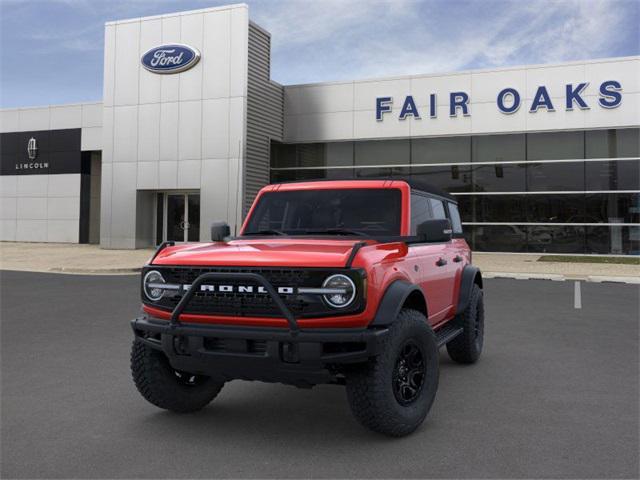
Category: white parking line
[577,296]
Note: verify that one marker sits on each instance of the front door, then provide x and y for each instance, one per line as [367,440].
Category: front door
[182,217]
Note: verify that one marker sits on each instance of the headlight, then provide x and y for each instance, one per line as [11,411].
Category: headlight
[344,291]
[152,285]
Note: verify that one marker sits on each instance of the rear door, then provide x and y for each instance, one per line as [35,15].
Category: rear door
[434,261]
[459,249]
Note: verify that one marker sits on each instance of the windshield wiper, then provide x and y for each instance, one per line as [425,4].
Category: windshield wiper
[266,232]
[335,231]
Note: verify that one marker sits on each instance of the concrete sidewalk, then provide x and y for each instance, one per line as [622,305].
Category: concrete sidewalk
[72,258]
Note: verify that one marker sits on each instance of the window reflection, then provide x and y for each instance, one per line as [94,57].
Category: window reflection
[613,175]
[543,177]
[499,178]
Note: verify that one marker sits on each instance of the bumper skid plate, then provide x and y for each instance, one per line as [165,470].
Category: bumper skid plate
[311,356]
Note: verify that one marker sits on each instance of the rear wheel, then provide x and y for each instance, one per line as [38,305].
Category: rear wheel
[393,393]
[167,388]
[467,347]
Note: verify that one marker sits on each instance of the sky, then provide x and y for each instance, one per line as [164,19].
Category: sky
[51,51]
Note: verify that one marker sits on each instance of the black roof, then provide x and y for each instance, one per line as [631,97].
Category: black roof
[427,188]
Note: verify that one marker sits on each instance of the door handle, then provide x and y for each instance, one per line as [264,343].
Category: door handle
[457,259]
[441,262]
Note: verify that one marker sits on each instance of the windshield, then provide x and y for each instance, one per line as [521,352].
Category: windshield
[333,212]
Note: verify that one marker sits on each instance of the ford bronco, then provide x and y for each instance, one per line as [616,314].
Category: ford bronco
[351,282]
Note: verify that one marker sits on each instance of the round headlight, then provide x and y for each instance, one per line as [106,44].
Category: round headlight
[150,285]
[344,291]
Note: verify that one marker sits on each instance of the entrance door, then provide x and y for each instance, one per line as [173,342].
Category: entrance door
[182,217]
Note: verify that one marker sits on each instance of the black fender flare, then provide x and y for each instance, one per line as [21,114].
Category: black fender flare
[470,275]
[392,301]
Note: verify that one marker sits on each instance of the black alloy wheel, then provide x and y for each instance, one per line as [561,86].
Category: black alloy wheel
[408,374]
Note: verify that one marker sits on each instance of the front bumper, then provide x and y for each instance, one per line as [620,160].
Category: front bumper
[304,357]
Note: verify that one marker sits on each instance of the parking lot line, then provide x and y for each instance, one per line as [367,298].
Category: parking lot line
[577,295]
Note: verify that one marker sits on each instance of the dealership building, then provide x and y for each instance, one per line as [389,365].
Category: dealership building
[542,158]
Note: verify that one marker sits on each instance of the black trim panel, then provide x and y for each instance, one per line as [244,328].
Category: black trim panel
[392,302]
[469,275]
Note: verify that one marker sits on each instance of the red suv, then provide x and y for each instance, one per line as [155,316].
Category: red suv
[355,283]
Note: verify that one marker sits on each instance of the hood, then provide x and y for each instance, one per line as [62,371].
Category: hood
[268,252]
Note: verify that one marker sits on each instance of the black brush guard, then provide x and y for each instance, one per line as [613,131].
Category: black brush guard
[256,277]
[299,357]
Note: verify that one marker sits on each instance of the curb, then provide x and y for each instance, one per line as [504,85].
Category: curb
[94,271]
[562,278]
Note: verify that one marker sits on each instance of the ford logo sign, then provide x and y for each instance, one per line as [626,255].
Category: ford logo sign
[173,58]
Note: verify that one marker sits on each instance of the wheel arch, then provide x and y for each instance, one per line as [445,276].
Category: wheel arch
[471,275]
[398,295]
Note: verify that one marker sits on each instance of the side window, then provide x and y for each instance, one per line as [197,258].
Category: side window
[437,208]
[420,211]
[456,222]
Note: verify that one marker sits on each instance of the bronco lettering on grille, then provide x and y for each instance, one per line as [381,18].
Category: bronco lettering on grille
[240,289]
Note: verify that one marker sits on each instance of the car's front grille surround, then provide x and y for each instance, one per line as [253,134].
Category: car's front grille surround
[256,304]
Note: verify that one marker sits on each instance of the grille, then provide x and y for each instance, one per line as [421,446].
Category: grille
[252,304]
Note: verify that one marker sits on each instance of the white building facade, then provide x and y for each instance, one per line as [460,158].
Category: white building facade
[542,158]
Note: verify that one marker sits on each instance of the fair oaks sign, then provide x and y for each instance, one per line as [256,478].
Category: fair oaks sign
[508,100]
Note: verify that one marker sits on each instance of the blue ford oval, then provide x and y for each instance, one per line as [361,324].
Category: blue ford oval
[173,58]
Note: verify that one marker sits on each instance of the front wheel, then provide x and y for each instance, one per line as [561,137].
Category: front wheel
[393,393]
[167,388]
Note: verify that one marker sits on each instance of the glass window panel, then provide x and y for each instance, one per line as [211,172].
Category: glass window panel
[613,143]
[420,211]
[437,208]
[498,208]
[499,148]
[555,145]
[466,207]
[339,153]
[298,212]
[383,172]
[441,150]
[450,178]
[498,238]
[175,218]
[194,217]
[310,155]
[613,208]
[159,217]
[382,152]
[613,175]
[613,240]
[555,208]
[283,155]
[499,178]
[311,174]
[556,239]
[456,222]
[543,177]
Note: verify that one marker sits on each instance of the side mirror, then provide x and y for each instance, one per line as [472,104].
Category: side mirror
[219,231]
[435,231]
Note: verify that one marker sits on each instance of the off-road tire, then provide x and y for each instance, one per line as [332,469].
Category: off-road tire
[467,347]
[162,386]
[370,387]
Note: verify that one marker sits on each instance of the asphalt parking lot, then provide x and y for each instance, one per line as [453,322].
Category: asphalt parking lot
[555,395]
